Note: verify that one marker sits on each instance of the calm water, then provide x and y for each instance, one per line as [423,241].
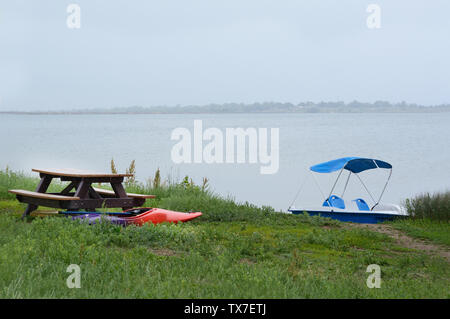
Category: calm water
[417,145]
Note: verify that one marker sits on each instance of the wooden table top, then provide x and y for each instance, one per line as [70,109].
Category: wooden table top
[76,173]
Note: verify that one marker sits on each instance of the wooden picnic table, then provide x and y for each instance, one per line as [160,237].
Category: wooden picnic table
[79,193]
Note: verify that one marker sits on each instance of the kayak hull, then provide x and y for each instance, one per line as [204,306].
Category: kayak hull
[159,215]
[150,215]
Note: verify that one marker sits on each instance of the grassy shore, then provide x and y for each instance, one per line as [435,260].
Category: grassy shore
[235,250]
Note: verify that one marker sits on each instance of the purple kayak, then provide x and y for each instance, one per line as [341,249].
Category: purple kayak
[98,218]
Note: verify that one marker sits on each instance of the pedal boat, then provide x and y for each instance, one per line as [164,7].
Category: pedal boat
[356,210]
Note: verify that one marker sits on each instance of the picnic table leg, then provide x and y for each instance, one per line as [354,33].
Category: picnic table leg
[41,188]
[83,189]
[28,210]
[120,192]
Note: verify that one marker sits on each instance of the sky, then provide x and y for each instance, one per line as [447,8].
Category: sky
[196,52]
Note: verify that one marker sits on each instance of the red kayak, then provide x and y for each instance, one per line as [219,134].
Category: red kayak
[158,215]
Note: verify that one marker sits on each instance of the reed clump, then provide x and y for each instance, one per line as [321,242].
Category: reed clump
[430,206]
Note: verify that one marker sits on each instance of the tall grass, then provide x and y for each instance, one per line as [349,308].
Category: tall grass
[10,180]
[186,196]
[19,180]
[430,206]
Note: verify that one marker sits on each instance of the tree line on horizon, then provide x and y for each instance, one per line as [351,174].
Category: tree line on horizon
[265,107]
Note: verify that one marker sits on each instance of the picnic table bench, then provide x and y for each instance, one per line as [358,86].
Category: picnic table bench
[79,193]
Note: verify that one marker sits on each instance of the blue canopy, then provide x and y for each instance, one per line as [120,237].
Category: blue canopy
[352,164]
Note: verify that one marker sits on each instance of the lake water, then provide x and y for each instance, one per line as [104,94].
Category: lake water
[417,145]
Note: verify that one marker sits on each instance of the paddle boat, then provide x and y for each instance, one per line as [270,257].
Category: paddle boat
[356,210]
[136,216]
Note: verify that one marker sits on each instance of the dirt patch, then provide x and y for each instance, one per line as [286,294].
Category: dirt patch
[246,261]
[405,240]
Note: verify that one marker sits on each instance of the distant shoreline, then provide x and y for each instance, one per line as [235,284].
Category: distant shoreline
[224,113]
[255,108]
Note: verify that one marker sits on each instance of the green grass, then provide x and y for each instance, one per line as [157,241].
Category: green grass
[235,250]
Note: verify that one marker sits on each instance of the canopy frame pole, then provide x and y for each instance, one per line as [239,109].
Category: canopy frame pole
[384,188]
[332,189]
[317,184]
[298,193]
[367,190]
[346,183]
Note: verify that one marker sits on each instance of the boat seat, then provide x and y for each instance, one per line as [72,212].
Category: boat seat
[334,201]
[362,205]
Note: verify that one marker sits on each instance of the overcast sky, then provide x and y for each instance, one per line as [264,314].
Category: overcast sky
[170,52]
